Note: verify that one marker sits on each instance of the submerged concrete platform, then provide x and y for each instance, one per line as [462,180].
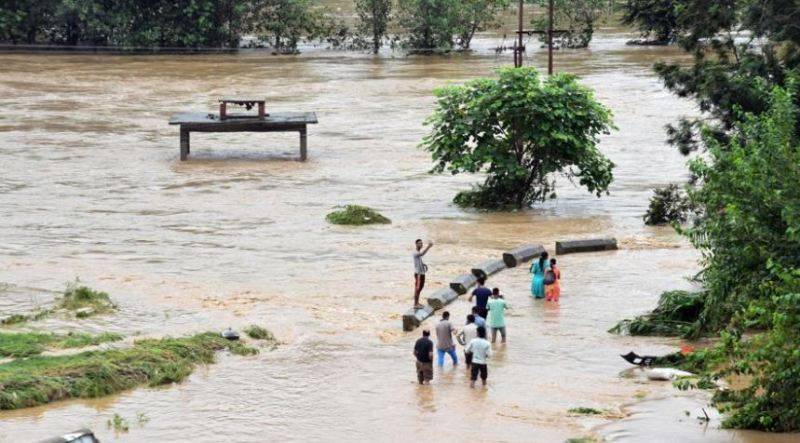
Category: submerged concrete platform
[588,245]
[522,254]
[488,268]
[274,122]
[442,298]
[414,317]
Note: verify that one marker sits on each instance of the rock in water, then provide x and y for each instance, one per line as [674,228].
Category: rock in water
[230,334]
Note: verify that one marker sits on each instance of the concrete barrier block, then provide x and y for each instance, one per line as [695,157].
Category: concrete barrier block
[462,283]
[488,268]
[522,254]
[414,317]
[588,245]
[441,298]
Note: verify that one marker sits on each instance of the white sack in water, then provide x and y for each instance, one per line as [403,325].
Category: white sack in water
[666,374]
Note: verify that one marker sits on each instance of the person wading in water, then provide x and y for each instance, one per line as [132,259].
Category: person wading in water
[423,351]
[420,268]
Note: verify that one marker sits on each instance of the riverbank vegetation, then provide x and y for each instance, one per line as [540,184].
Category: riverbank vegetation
[522,131]
[416,26]
[356,215]
[37,380]
[745,192]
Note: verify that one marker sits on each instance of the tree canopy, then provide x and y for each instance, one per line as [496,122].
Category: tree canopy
[657,20]
[521,131]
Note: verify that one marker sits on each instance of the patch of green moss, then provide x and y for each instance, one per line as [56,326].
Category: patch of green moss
[150,362]
[26,344]
[356,215]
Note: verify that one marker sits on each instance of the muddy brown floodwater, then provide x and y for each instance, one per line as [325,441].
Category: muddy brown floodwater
[91,187]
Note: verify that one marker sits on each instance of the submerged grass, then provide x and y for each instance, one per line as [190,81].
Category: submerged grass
[151,362]
[80,299]
[258,333]
[585,411]
[85,301]
[356,215]
[26,344]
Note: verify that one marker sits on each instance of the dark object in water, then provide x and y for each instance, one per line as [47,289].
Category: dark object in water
[639,360]
[590,245]
[79,436]
[230,334]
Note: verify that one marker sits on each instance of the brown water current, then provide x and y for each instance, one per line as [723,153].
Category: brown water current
[91,187]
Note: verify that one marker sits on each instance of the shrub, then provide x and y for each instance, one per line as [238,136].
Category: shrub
[677,313]
[356,215]
[667,205]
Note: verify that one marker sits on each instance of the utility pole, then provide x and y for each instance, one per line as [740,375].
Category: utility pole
[550,32]
[550,39]
[518,47]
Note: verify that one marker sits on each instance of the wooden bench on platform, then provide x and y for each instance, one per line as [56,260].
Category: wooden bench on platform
[272,122]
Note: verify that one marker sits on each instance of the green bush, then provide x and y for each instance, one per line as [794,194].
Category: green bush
[677,313]
[667,205]
[356,215]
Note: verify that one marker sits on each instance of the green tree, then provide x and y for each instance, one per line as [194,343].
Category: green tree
[521,131]
[429,24]
[749,235]
[577,17]
[285,22]
[738,47]
[373,18]
[656,20]
[23,21]
[475,16]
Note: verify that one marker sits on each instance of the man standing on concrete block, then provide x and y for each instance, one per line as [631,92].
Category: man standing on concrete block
[423,351]
[444,340]
[420,268]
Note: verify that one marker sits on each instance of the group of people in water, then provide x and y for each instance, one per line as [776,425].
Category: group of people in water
[488,314]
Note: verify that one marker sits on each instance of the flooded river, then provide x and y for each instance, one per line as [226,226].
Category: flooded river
[91,187]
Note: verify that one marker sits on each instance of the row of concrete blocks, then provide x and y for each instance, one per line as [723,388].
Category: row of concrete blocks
[461,284]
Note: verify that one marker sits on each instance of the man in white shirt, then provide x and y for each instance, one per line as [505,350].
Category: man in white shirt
[469,332]
[481,351]
[420,268]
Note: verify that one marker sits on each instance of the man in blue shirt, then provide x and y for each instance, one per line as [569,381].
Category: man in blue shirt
[479,319]
[481,295]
